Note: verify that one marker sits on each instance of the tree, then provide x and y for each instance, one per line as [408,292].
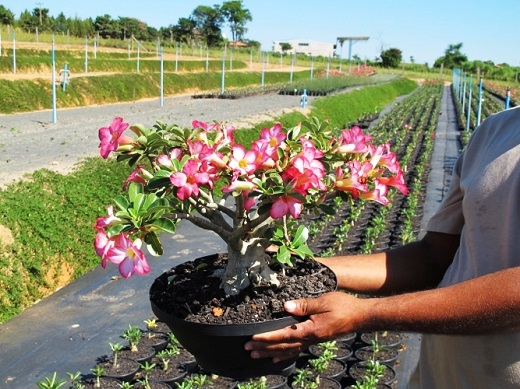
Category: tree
[285,46]
[237,17]
[453,58]
[106,27]
[60,23]
[391,58]
[6,16]
[208,23]
[28,21]
[183,31]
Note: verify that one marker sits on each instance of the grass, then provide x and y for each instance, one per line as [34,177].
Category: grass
[83,91]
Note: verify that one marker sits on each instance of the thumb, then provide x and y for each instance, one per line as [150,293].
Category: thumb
[300,307]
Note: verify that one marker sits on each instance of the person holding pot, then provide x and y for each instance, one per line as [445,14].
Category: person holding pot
[459,285]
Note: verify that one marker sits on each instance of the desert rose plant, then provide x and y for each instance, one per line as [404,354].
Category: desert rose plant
[251,196]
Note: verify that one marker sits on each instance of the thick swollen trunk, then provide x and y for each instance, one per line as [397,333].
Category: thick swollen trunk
[245,266]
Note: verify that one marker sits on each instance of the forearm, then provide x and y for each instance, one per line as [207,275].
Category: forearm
[483,305]
[416,266]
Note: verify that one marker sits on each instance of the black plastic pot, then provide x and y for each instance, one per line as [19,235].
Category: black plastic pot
[219,349]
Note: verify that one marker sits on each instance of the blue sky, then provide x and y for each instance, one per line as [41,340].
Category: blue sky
[419,28]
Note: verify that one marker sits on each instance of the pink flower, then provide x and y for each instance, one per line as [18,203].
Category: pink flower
[103,222]
[356,180]
[136,176]
[286,204]
[128,256]
[270,139]
[188,180]
[102,244]
[112,136]
[396,181]
[353,141]
[378,194]
[242,161]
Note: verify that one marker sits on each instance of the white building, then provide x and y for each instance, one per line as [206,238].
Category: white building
[306,46]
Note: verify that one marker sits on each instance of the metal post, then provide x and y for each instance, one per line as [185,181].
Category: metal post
[479,102]
[138,54]
[223,72]
[469,102]
[349,55]
[176,57]
[312,67]
[292,68]
[95,48]
[263,72]
[328,67]
[86,54]
[340,55]
[207,59]
[54,119]
[14,51]
[162,78]
[464,92]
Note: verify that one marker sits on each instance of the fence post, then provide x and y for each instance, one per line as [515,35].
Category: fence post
[14,51]
[162,77]
[479,101]
[86,54]
[54,119]
[223,72]
[469,102]
[464,92]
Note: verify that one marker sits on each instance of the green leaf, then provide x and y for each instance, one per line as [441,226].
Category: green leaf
[300,237]
[283,256]
[122,202]
[304,251]
[153,244]
[166,225]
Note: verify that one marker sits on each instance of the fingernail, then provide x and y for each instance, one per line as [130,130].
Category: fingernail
[290,306]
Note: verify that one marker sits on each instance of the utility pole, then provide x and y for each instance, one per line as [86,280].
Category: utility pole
[40,11]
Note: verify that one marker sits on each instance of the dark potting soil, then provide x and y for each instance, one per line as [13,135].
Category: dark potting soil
[190,291]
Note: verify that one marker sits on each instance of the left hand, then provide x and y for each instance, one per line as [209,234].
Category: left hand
[330,316]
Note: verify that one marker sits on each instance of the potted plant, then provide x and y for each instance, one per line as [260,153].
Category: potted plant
[135,349]
[117,367]
[251,196]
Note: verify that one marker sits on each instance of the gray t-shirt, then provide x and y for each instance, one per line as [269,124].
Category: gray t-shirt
[483,206]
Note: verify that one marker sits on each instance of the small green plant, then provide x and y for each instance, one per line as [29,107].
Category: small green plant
[115,347]
[260,383]
[98,372]
[197,381]
[75,380]
[51,382]
[165,356]
[147,367]
[126,385]
[151,324]
[133,335]
[305,379]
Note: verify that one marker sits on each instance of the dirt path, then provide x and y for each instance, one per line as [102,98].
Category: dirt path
[31,141]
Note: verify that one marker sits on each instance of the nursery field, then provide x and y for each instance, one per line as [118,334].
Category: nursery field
[409,126]
[40,253]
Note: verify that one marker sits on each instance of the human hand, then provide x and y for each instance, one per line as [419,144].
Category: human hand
[330,316]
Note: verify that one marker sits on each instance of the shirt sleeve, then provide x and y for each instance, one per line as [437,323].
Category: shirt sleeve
[449,218]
